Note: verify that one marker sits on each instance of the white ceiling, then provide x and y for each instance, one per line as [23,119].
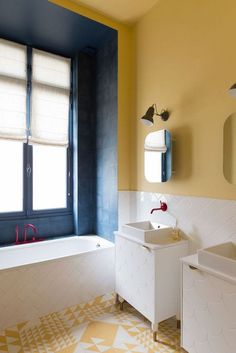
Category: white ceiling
[127,11]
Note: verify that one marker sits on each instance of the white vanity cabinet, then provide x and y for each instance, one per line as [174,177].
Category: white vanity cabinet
[208,310]
[148,276]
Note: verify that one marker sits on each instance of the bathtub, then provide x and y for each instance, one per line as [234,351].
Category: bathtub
[43,277]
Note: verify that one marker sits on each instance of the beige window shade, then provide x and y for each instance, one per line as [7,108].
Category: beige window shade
[51,69]
[49,118]
[12,59]
[50,99]
[12,91]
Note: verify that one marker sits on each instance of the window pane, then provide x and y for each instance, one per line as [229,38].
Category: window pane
[49,177]
[11,176]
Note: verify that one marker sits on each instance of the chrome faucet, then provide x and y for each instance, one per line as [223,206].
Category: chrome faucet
[27,226]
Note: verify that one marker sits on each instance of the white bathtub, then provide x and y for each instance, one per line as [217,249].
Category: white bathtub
[26,254]
[47,276]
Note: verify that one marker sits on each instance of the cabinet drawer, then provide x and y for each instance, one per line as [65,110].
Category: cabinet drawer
[135,275]
[209,313]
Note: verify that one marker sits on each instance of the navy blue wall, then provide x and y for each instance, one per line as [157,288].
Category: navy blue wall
[97,142]
[44,25]
[106,140]
[48,227]
[86,207]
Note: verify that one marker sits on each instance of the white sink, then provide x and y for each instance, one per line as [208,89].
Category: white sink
[148,232]
[221,258]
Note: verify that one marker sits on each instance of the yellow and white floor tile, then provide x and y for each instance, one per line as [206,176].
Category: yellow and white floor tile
[96,326]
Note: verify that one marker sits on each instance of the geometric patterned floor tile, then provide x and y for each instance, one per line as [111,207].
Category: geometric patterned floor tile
[96,326]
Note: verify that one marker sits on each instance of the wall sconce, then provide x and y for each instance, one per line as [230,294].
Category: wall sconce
[232,91]
[147,119]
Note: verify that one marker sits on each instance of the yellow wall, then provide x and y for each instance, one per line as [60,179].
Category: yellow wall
[125,84]
[186,60]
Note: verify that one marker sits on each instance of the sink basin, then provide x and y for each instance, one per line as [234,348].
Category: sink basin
[148,232]
[221,258]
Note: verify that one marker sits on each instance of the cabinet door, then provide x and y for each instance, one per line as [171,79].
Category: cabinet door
[135,275]
[209,313]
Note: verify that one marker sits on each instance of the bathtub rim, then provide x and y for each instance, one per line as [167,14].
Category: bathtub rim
[61,258]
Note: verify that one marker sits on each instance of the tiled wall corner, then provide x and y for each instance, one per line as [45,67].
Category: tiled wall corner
[123,207]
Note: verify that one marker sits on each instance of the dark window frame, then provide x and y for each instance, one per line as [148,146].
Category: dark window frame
[27,186]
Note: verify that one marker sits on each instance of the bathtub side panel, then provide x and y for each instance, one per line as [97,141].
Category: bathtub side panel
[31,291]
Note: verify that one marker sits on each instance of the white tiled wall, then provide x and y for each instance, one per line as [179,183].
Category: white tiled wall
[31,291]
[205,221]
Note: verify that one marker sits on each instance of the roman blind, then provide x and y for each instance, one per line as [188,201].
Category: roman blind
[13,90]
[50,99]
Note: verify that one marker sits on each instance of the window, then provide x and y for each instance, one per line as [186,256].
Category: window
[49,177]
[11,176]
[35,90]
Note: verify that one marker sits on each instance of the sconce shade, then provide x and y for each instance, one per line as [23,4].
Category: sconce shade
[147,119]
[232,90]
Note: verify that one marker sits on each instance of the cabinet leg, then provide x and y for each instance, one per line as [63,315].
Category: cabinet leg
[154,330]
[178,320]
[122,305]
[117,299]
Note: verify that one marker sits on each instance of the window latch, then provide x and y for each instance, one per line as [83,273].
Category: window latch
[28,170]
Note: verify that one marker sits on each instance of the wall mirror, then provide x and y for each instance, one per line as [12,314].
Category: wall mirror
[157,156]
[229,155]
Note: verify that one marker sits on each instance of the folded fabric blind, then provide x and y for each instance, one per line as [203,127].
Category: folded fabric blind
[50,99]
[12,59]
[13,90]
